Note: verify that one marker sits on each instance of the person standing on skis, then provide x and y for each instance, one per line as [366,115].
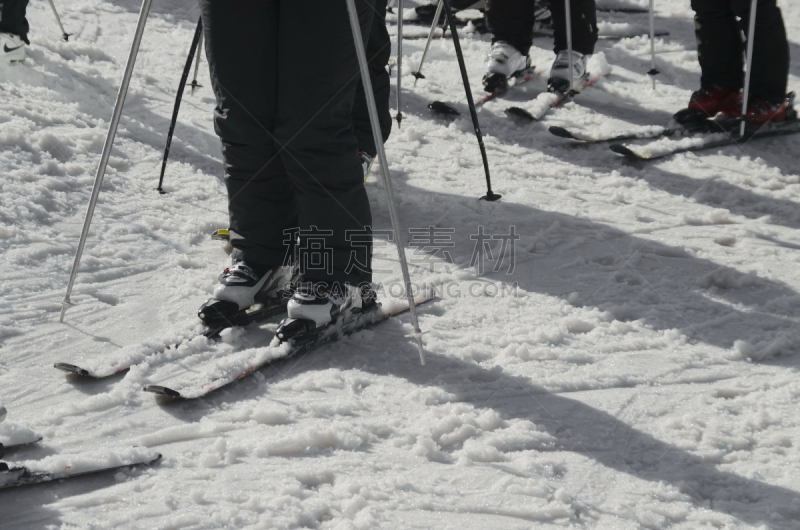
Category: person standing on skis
[511,23]
[720,52]
[285,76]
[13,31]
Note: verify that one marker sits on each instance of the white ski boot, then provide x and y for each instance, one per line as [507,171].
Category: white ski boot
[504,62]
[314,306]
[12,48]
[559,80]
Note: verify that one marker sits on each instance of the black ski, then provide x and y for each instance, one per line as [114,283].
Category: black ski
[196,385]
[12,477]
[704,141]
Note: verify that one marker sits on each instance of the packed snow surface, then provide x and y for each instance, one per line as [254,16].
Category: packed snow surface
[633,363]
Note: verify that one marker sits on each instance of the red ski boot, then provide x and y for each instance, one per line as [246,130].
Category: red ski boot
[707,103]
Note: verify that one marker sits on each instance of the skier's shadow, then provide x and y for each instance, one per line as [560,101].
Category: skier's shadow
[581,429]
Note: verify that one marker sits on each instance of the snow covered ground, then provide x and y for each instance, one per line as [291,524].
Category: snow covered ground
[636,368]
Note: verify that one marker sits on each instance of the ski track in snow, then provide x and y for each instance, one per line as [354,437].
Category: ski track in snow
[638,371]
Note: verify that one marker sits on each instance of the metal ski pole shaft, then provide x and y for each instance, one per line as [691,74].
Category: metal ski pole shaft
[418,74]
[750,38]
[112,131]
[567,8]
[378,138]
[653,70]
[64,34]
[490,195]
[178,98]
[399,116]
[194,83]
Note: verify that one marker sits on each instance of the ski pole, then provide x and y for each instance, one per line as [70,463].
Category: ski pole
[490,195]
[109,143]
[378,138]
[64,34]
[653,70]
[399,116]
[195,84]
[418,74]
[750,38]
[569,46]
[178,98]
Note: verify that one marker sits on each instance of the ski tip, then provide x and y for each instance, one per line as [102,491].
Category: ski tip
[520,114]
[440,107]
[71,368]
[625,151]
[221,235]
[162,390]
[561,132]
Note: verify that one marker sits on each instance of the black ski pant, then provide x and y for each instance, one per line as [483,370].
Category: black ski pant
[720,48]
[284,74]
[512,21]
[379,50]
[12,18]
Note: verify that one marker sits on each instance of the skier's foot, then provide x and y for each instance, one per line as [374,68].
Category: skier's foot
[708,102]
[241,287]
[12,48]
[761,111]
[559,80]
[504,61]
[313,305]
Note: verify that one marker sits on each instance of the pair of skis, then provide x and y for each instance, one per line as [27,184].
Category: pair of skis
[540,105]
[222,372]
[697,136]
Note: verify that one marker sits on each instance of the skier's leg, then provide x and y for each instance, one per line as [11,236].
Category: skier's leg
[379,50]
[583,18]
[770,49]
[719,51]
[719,44]
[584,25]
[511,21]
[12,18]
[511,24]
[315,126]
[13,31]
[241,40]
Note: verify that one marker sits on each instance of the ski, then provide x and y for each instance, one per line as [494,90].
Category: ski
[61,467]
[241,364]
[546,101]
[15,437]
[666,147]
[644,134]
[108,365]
[440,107]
